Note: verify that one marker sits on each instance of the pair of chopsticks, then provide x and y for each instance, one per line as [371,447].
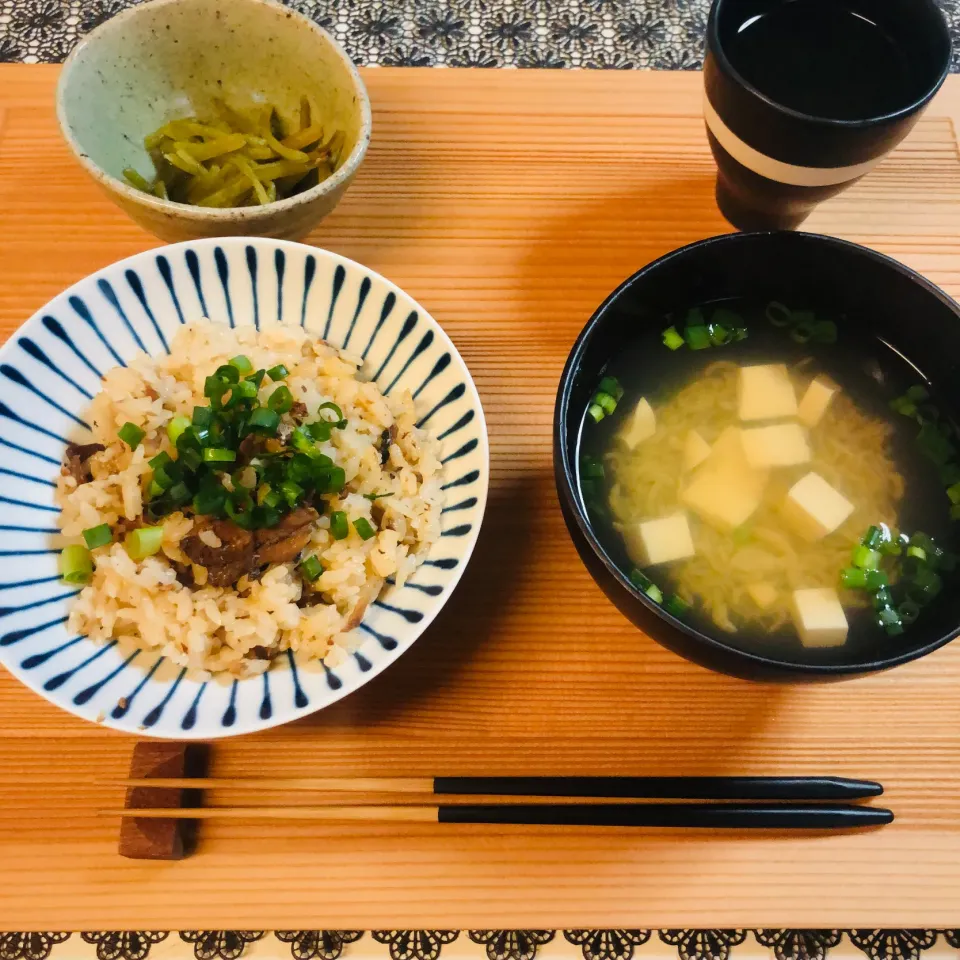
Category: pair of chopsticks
[791,803]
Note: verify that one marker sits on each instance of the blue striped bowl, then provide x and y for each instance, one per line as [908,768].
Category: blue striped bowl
[50,369]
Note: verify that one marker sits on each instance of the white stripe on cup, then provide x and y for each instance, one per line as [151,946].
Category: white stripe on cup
[777,170]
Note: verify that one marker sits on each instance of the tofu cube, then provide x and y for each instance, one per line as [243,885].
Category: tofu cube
[660,541]
[813,508]
[764,595]
[815,401]
[641,425]
[780,445]
[819,617]
[725,489]
[766,393]
[695,451]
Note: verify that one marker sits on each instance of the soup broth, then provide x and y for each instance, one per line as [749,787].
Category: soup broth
[742,541]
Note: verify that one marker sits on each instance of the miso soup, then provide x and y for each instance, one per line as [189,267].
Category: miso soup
[773,485]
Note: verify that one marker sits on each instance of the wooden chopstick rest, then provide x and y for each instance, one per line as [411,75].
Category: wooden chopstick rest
[161,839]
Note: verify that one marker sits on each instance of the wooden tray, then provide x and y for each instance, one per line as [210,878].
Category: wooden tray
[509,203]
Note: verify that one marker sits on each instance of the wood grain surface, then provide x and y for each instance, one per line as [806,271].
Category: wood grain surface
[509,204]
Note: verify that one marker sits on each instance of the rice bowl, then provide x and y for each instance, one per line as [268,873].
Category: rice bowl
[52,383]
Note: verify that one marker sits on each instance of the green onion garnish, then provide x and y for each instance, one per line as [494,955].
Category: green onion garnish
[339,527]
[76,564]
[697,337]
[242,364]
[672,339]
[676,606]
[596,414]
[279,372]
[872,538]
[176,427]
[320,430]
[202,416]
[876,579]
[854,578]
[639,579]
[330,405]
[263,420]
[218,455]
[909,611]
[865,558]
[605,401]
[363,527]
[311,568]
[98,536]
[131,435]
[281,400]
[143,542]
[779,315]
[654,593]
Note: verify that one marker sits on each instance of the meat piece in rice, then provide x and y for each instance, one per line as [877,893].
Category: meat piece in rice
[75,459]
[227,563]
[285,541]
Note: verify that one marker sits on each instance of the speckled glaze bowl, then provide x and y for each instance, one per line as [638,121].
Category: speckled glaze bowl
[170,58]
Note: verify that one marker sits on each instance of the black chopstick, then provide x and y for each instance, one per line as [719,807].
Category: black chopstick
[663,788]
[715,815]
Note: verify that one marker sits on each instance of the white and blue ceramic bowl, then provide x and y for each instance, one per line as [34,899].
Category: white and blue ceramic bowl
[51,368]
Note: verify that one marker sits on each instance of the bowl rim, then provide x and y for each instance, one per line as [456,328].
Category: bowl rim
[567,485]
[191,211]
[437,604]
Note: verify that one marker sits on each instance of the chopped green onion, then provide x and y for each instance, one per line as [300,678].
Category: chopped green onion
[213,389]
[802,332]
[865,558]
[219,455]
[825,331]
[242,392]
[202,416]
[301,440]
[854,578]
[697,337]
[163,479]
[883,598]
[98,536]
[190,458]
[935,444]
[719,334]
[338,413]
[227,374]
[676,606]
[654,593]
[143,542]
[176,427]
[917,552]
[694,318]
[76,564]
[888,615]
[607,403]
[281,400]
[609,385]
[672,339]
[596,412]
[339,527]
[160,460]
[291,491]
[778,314]
[279,372]
[311,568]
[131,435]
[179,494]
[872,538]
[924,585]
[954,493]
[363,527]
[903,405]
[876,579]
[154,489]
[263,420]
[909,611]
[738,333]
[242,364]
[257,378]
[591,468]
[210,500]
[639,579]
[917,393]
[319,430]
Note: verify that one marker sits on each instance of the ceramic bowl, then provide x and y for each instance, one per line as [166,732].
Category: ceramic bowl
[50,369]
[170,58]
[881,305]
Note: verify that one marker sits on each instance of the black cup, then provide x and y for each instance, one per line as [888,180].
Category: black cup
[776,163]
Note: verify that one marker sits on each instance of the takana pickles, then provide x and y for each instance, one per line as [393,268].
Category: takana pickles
[240,157]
